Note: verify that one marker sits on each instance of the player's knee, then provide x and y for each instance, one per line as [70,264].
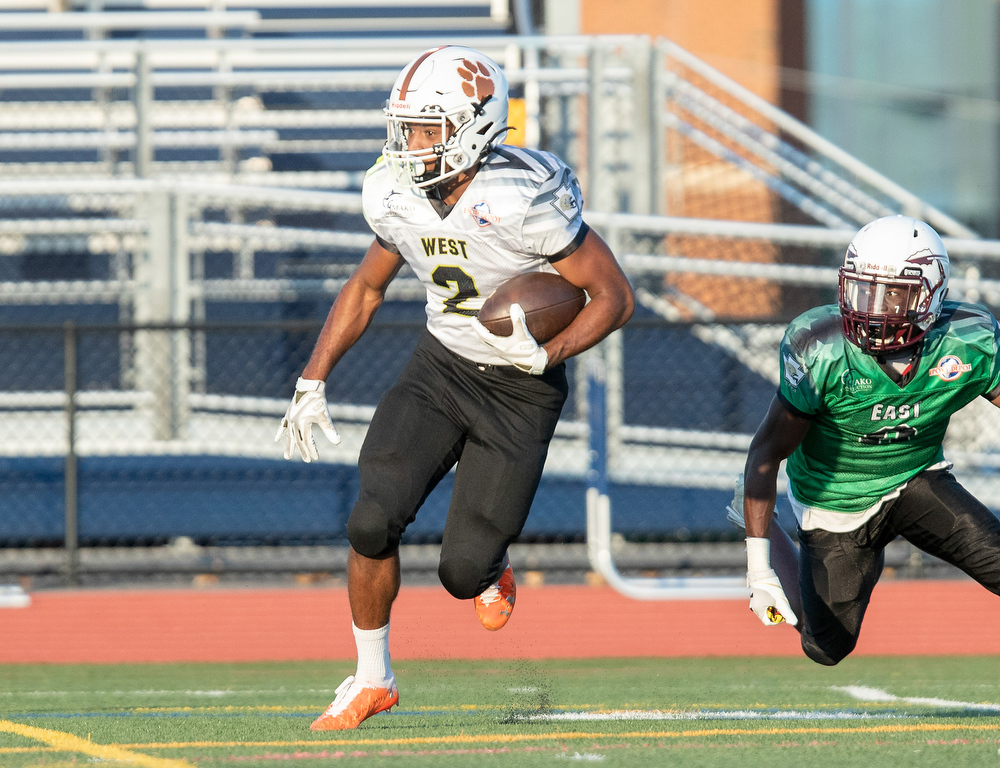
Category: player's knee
[369,532]
[462,577]
[828,656]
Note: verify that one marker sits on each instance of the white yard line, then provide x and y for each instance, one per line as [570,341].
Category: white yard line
[727,714]
[864,693]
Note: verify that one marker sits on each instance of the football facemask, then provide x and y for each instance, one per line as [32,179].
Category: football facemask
[418,152]
[882,315]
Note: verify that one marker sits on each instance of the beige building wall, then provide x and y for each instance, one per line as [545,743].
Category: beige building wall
[741,39]
[737,37]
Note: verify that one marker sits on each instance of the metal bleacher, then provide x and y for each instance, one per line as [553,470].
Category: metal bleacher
[301,18]
[179,163]
[275,93]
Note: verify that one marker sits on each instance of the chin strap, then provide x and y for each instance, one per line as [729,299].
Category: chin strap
[497,132]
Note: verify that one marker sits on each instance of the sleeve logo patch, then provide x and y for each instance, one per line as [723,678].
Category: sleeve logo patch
[565,202]
[949,368]
[794,372]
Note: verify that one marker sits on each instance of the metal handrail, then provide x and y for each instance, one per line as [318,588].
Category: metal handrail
[102,20]
[914,205]
[599,543]
[837,190]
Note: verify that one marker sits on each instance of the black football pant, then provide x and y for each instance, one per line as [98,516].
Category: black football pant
[838,571]
[494,421]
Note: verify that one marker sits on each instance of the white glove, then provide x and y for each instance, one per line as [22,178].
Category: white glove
[520,348]
[734,512]
[308,407]
[767,598]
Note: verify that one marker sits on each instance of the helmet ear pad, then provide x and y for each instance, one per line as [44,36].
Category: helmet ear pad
[892,284]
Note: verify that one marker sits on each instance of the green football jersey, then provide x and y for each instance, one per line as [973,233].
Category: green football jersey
[869,434]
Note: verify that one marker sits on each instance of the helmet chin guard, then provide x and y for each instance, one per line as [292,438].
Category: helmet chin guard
[454,93]
[892,284]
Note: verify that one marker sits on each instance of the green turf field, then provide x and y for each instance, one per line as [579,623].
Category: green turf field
[648,712]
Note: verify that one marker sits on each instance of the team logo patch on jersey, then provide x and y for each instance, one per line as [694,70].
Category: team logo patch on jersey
[397,205]
[854,384]
[481,213]
[949,368]
[794,372]
[564,201]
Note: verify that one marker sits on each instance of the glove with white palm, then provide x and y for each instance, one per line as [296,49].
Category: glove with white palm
[520,348]
[734,512]
[767,598]
[308,407]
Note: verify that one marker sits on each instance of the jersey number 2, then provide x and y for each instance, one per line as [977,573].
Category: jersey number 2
[464,285]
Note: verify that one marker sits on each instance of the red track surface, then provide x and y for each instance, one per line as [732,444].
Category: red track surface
[905,618]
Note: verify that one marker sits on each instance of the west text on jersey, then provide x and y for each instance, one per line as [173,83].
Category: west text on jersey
[444,246]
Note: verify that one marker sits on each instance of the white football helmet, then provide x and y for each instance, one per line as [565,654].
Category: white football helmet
[892,284]
[456,89]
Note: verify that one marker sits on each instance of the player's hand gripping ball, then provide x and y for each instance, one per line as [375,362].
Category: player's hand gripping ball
[550,303]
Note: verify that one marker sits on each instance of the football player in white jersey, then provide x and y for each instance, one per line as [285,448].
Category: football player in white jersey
[465,213]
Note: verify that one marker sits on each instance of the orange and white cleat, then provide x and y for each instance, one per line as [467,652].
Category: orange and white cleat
[496,603]
[355,703]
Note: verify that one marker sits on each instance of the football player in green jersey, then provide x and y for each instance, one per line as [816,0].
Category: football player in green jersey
[867,389]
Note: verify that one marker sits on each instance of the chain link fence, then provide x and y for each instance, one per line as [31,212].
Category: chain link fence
[124,436]
[146,424]
[171,431]
[106,448]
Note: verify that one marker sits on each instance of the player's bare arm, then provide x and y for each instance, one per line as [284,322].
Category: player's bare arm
[774,596]
[594,268]
[353,310]
[778,435]
[348,318]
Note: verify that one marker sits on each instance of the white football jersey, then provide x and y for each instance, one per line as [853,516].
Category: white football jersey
[520,213]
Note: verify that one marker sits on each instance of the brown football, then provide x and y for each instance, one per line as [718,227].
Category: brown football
[550,302]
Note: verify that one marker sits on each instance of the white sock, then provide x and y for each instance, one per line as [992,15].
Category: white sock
[373,654]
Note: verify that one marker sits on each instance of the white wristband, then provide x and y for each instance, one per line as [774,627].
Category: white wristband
[309,385]
[758,554]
